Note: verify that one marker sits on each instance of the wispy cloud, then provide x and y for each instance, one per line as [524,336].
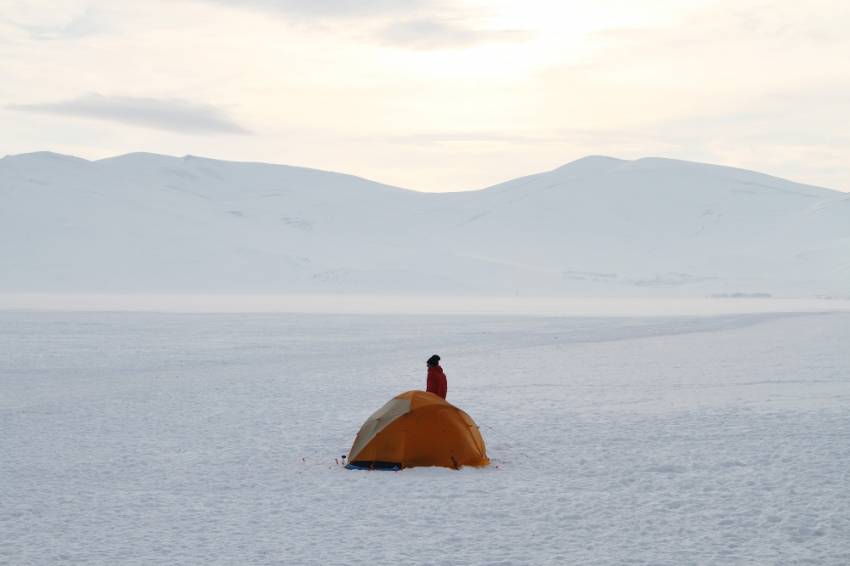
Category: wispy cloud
[432,138]
[67,26]
[615,142]
[744,26]
[407,24]
[174,115]
[428,33]
[332,9]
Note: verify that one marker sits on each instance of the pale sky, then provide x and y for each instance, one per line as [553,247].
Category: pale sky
[433,95]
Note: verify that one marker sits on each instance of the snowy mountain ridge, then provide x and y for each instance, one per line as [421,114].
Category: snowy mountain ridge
[596,226]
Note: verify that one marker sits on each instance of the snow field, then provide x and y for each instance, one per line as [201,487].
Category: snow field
[210,439]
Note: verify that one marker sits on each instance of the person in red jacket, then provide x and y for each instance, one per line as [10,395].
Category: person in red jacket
[437,383]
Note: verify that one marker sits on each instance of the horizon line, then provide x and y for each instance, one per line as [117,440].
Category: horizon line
[585,158]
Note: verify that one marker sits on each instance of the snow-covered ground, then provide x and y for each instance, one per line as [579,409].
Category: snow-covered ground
[210,439]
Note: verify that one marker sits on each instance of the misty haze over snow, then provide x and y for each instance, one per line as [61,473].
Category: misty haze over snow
[596,226]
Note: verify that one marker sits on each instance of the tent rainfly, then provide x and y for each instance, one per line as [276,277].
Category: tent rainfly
[418,429]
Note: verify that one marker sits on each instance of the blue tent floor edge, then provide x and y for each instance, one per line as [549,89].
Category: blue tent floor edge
[383,466]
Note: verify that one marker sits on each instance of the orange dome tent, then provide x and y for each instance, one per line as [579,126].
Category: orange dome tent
[418,429]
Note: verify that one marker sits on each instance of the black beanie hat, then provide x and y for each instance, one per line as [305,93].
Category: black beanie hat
[433,360]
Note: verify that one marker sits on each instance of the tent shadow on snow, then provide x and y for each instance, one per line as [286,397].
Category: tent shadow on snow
[417,428]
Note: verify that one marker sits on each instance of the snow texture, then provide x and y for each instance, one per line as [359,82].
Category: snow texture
[210,439]
[599,226]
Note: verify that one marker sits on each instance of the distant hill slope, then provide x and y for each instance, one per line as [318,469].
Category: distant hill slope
[596,226]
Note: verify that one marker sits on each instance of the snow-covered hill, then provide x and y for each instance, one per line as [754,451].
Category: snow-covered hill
[596,226]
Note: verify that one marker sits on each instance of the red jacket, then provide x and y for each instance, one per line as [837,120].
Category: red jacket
[437,381]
